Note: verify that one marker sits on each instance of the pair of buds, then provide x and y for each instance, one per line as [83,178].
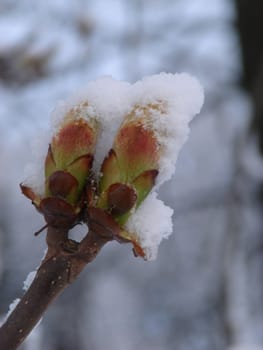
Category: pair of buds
[105,201]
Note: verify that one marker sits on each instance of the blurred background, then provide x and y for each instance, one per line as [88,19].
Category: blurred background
[205,290]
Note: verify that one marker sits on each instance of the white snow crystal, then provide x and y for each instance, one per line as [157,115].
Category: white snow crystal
[150,223]
[182,91]
[112,100]
[12,306]
[182,98]
[29,280]
[108,101]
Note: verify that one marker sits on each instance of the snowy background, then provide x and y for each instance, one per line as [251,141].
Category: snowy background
[204,290]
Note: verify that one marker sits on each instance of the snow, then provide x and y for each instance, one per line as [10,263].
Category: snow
[151,222]
[182,97]
[31,276]
[28,281]
[12,306]
[80,109]
[110,100]
[128,43]
[177,98]
[183,92]
[26,285]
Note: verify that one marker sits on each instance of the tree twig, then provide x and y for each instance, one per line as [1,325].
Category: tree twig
[63,263]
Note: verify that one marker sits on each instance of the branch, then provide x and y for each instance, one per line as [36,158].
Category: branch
[63,263]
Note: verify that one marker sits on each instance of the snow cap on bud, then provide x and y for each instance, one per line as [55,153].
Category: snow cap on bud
[144,154]
[129,171]
[67,167]
[145,124]
[70,155]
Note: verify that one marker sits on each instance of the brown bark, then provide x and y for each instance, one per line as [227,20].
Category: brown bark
[64,261]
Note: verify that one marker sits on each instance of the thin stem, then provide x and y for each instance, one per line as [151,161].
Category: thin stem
[57,271]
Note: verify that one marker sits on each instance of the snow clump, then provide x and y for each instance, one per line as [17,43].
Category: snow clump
[180,97]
